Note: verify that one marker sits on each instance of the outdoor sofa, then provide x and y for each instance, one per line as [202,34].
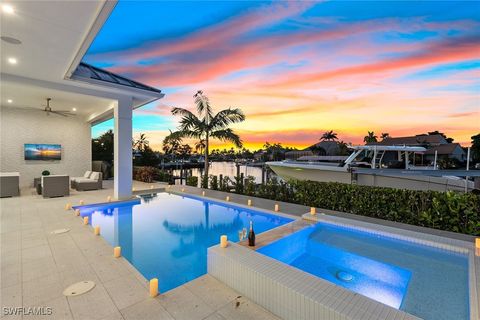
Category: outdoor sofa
[91,180]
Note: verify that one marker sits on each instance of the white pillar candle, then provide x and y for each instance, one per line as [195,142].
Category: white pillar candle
[223,241]
[313,211]
[117,252]
[277,208]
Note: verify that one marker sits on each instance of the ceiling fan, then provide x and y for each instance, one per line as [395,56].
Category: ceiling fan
[64,113]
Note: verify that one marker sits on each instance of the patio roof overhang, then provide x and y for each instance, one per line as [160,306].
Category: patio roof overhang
[54,37]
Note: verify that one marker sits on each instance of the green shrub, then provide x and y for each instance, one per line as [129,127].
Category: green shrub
[192,181]
[213,182]
[450,211]
[150,174]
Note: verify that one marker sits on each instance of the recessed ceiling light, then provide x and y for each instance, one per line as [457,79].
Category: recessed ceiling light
[8,9]
[12,60]
[10,40]
[74,109]
[9,100]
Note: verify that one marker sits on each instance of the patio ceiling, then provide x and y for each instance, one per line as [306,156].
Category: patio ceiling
[54,36]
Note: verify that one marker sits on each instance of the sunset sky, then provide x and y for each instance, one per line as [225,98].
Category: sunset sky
[298,69]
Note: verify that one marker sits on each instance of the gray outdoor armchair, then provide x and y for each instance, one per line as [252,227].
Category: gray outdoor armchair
[55,186]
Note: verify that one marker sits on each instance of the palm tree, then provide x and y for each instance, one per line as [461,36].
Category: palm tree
[329,136]
[171,144]
[141,143]
[206,125]
[384,136]
[370,138]
[200,146]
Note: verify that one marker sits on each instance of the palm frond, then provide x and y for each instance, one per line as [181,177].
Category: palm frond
[203,105]
[225,117]
[227,135]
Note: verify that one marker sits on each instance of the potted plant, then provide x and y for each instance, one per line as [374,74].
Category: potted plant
[45,173]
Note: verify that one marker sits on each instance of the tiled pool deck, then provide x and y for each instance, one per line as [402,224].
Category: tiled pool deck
[37,265]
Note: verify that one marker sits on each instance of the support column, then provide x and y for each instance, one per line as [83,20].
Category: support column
[122,157]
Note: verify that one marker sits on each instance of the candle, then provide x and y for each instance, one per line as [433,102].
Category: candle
[277,208]
[133,189]
[223,241]
[477,247]
[227,198]
[249,202]
[313,211]
[117,252]
[203,193]
[153,287]
[151,187]
[77,212]
[183,189]
[85,220]
[109,199]
[82,202]
[97,230]
[68,206]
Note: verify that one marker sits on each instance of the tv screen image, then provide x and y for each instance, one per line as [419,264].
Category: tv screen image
[43,151]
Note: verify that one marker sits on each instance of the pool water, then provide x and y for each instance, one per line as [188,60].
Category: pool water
[427,282]
[167,236]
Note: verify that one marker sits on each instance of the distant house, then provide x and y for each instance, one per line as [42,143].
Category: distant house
[423,140]
[323,148]
[449,150]
[433,142]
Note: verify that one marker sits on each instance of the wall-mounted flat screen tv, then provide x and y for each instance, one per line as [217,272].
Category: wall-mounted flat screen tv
[41,151]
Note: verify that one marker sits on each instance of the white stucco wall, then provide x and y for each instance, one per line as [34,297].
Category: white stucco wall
[19,126]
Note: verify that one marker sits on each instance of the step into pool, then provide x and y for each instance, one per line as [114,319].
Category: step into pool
[424,281]
[166,236]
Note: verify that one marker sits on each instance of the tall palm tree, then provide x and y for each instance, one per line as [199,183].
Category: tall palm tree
[207,125]
[329,136]
[370,137]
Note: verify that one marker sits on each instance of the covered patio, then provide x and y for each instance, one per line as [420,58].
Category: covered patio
[43,44]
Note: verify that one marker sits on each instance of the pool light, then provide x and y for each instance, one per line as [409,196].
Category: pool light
[12,60]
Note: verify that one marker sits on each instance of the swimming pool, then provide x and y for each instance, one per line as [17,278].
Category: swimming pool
[166,236]
[424,281]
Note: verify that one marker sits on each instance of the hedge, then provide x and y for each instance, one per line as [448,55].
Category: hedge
[450,211]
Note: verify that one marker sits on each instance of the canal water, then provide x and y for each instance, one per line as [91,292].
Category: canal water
[227,169]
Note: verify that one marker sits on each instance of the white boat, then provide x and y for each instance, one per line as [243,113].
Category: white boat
[375,165]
